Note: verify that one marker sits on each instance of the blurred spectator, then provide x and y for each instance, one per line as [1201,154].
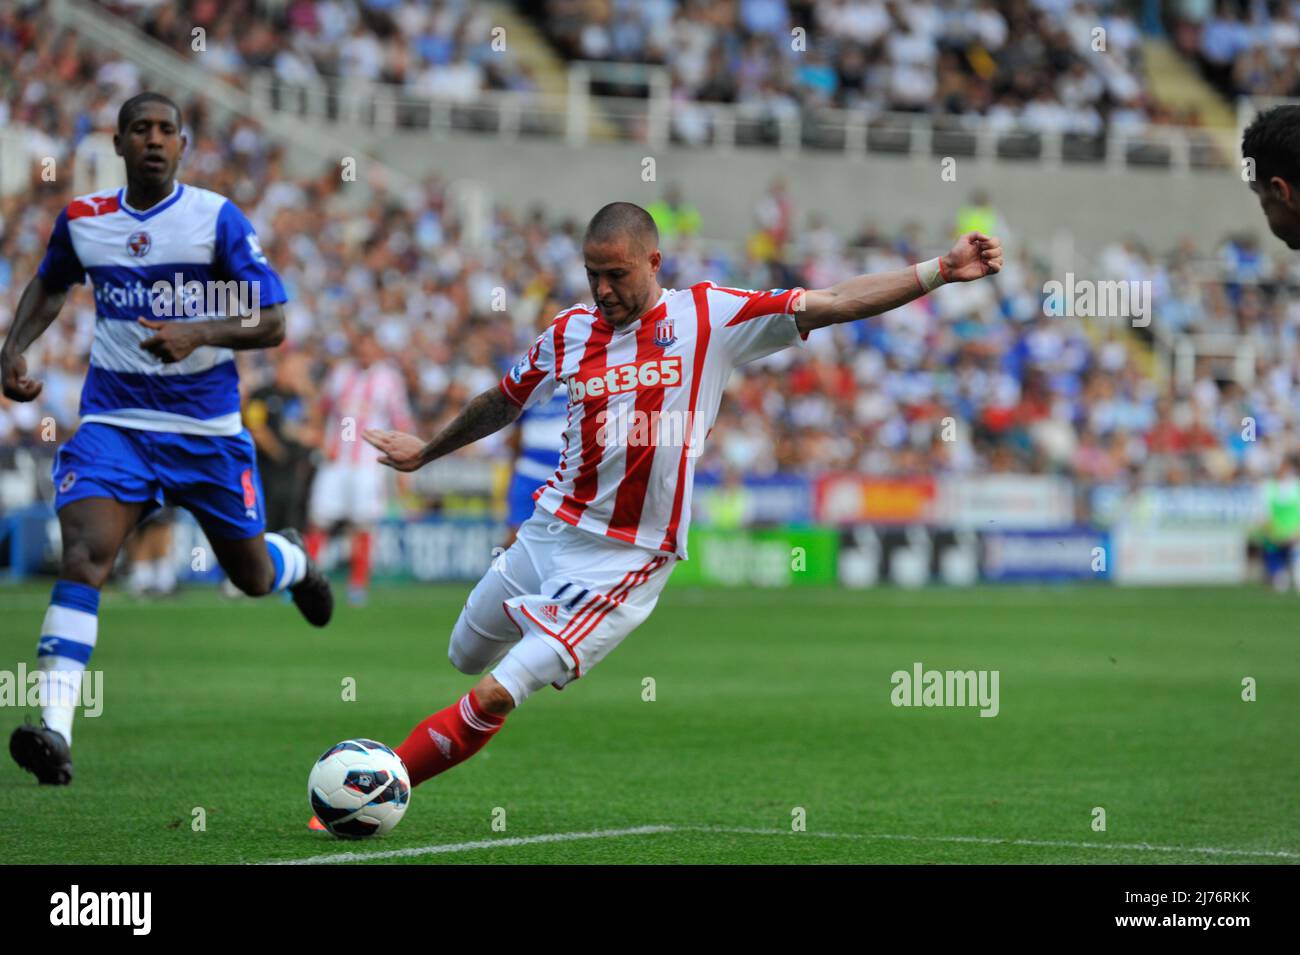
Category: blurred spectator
[674,216]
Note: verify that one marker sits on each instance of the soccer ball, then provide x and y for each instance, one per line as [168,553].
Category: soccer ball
[359,788]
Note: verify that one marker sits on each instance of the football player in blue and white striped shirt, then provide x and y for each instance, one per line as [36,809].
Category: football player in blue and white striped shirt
[160,407]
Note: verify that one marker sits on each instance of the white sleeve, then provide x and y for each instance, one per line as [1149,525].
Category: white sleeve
[751,324]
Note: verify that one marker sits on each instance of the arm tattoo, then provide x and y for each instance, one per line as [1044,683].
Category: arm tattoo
[487,414]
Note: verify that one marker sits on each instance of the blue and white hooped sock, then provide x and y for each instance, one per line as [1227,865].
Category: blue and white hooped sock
[289,559]
[68,637]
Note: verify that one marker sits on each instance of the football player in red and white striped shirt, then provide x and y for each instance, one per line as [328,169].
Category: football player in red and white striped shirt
[367,392]
[644,369]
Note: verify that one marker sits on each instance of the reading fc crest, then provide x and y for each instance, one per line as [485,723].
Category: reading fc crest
[138,244]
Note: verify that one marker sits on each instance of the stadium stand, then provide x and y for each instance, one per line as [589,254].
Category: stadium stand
[1031,394]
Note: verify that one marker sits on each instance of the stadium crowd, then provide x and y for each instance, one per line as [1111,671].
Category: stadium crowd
[1026,392]
[1028,65]
[1243,48]
[438,48]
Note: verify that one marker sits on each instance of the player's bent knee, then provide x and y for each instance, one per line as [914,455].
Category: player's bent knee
[471,651]
[465,664]
[530,665]
[493,697]
[84,563]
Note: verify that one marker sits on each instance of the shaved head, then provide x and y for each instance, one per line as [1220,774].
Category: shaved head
[623,220]
[621,252]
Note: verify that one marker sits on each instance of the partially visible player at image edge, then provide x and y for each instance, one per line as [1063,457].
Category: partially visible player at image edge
[1272,143]
[608,527]
[160,405]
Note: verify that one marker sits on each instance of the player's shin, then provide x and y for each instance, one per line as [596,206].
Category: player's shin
[448,737]
[455,734]
[359,579]
[68,636]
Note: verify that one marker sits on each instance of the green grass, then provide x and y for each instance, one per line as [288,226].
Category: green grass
[1129,700]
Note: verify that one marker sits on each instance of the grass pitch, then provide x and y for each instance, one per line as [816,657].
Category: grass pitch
[765,702]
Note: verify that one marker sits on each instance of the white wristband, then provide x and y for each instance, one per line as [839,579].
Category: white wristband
[929,275]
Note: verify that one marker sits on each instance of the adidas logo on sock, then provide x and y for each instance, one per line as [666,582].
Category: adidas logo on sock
[442,742]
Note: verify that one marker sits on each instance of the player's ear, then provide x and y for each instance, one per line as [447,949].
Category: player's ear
[117,143]
[656,260]
[1282,189]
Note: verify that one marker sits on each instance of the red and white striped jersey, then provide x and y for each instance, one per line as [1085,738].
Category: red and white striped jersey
[642,399]
[358,398]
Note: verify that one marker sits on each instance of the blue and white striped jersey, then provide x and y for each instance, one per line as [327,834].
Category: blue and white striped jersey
[542,437]
[171,263]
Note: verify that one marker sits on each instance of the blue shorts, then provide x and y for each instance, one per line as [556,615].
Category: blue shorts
[519,498]
[1277,557]
[213,477]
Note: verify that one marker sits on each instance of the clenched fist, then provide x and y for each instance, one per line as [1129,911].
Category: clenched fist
[974,256]
[17,386]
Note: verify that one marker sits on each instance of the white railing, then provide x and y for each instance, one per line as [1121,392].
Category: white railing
[580,116]
[1179,350]
[1239,350]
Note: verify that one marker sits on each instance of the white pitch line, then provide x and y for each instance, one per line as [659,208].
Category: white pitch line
[741,830]
[471,846]
[991,841]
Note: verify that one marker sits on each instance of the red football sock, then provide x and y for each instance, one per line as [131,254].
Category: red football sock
[448,737]
[360,578]
[315,540]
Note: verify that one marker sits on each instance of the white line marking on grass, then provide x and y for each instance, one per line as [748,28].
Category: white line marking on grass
[746,831]
[990,841]
[471,846]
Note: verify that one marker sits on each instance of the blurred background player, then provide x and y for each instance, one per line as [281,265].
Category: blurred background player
[350,492]
[153,566]
[1282,530]
[278,416]
[160,404]
[536,444]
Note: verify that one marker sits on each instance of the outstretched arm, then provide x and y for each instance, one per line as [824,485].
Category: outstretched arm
[486,414]
[974,256]
[37,308]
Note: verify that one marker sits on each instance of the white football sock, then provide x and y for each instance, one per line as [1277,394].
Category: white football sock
[289,559]
[164,575]
[142,576]
[68,636]
[61,692]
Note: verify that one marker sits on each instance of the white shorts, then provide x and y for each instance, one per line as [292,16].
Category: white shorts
[349,492]
[573,591]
